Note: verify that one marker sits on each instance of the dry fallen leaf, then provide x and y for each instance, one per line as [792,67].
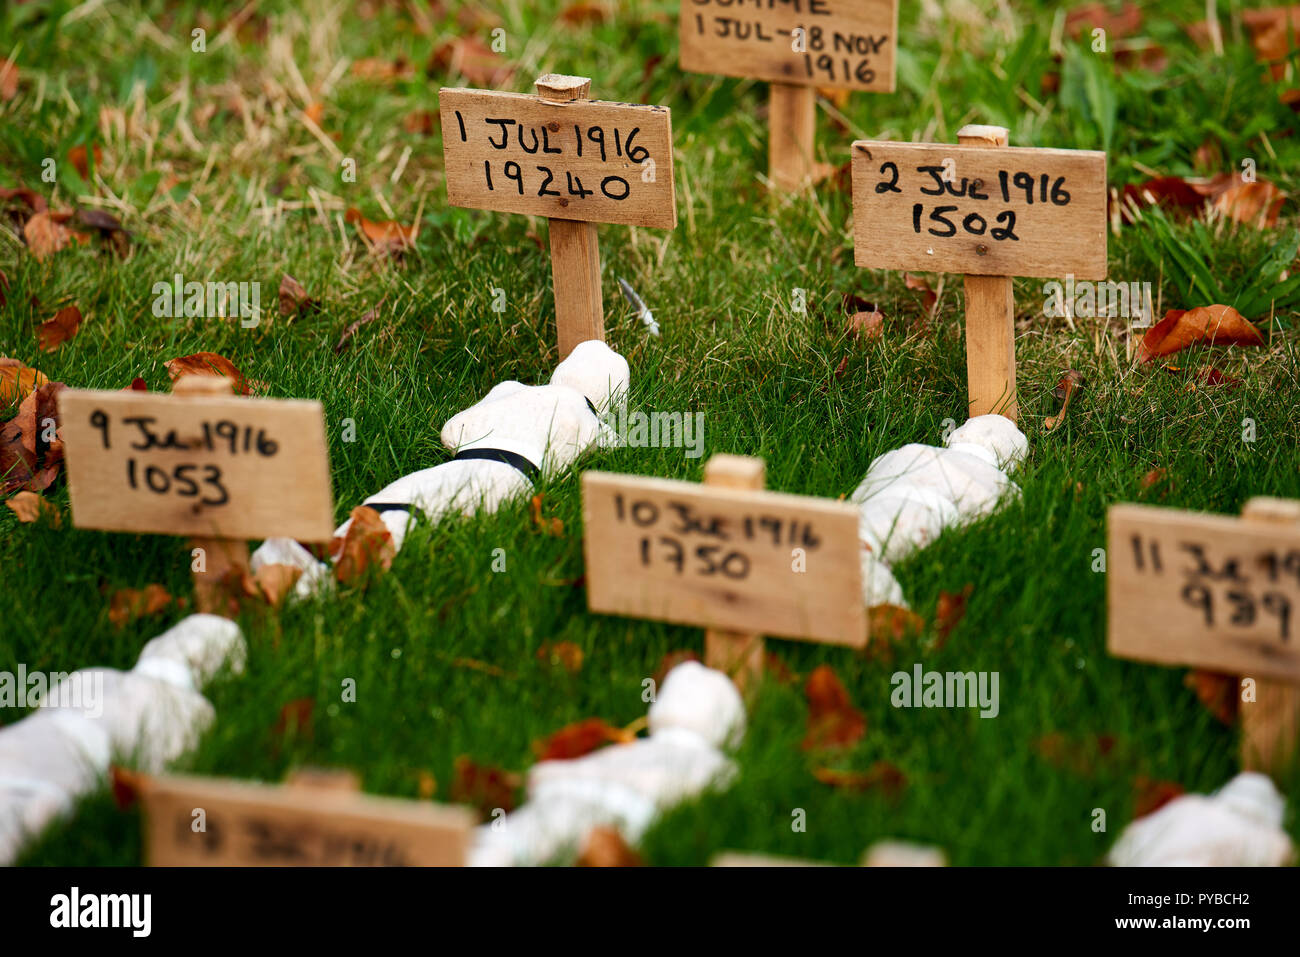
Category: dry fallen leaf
[561,654]
[471,58]
[128,604]
[833,722]
[487,788]
[1150,795]
[45,235]
[1218,692]
[1155,477]
[366,545]
[31,452]
[1080,755]
[352,328]
[578,739]
[8,80]
[77,156]
[1204,325]
[58,330]
[950,612]
[209,364]
[882,776]
[888,625]
[1255,204]
[867,326]
[276,581]
[384,237]
[294,298]
[30,507]
[1070,383]
[547,526]
[315,112]
[420,122]
[376,68]
[583,13]
[1092,16]
[18,381]
[127,786]
[605,847]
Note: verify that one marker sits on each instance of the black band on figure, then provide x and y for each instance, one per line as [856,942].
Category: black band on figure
[513,459]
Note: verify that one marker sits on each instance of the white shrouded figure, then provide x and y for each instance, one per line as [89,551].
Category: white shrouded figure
[148,716]
[697,714]
[910,495]
[1239,825]
[501,443]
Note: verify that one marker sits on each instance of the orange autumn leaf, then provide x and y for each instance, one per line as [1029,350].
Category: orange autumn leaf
[1204,325]
[1151,795]
[385,237]
[45,235]
[78,157]
[547,526]
[882,776]
[1256,204]
[294,298]
[58,330]
[1117,23]
[295,720]
[420,122]
[209,364]
[315,112]
[888,625]
[833,722]
[376,68]
[867,326]
[1217,692]
[561,654]
[605,847]
[129,604]
[470,57]
[583,13]
[1069,383]
[18,381]
[487,788]
[367,545]
[8,80]
[126,786]
[30,455]
[950,612]
[274,582]
[578,739]
[30,507]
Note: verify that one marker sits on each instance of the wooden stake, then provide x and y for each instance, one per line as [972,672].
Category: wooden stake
[575,252]
[735,653]
[792,124]
[1270,725]
[990,320]
[221,557]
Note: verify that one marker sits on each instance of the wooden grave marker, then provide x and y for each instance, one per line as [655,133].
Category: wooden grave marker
[575,161]
[1219,593]
[726,556]
[989,211]
[216,822]
[203,463]
[797,46]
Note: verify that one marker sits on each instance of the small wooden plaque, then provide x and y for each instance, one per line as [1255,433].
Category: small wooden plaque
[723,558]
[846,44]
[582,160]
[199,465]
[248,824]
[1002,211]
[1204,591]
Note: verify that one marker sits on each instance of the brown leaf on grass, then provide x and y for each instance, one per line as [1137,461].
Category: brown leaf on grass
[1169,192]
[294,298]
[30,507]
[427,786]
[1217,692]
[384,237]
[470,57]
[315,112]
[377,68]
[487,788]
[1204,325]
[129,604]
[31,452]
[79,159]
[605,847]
[58,330]
[1150,795]
[1079,755]
[1092,16]
[922,285]
[842,368]
[137,385]
[1070,383]
[584,13]
[1155,477]
[883,776]
[1207,376]
[4,289]
[8,80]
[126,786]
[366,545]
[420,122]
[352,328]
[18,381]
[274,582]
[45,235]
[33,200]
[209,364]
[561,654]
[867,326]
[950,611]
[295,720]
[1255,204]
[833,722]
[547,526]
[888,625]
[1273,32]
[578,739]
[775,669]
[670,661]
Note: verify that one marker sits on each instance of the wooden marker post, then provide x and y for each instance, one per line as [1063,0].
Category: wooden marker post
[201,462]
[214,822]
[991,212]
[797,47]
[725,556]
[575,161]
[1220,593]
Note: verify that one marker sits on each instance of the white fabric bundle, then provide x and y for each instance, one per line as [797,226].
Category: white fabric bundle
[150,715]
[697,714]
[537,427]
[1239,825]
[911,494]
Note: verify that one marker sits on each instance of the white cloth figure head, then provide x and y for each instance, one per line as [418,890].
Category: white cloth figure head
[598,372]
[202,645]
[702,700]
[994,438]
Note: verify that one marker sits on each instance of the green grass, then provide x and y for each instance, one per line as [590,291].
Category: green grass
[721,286]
